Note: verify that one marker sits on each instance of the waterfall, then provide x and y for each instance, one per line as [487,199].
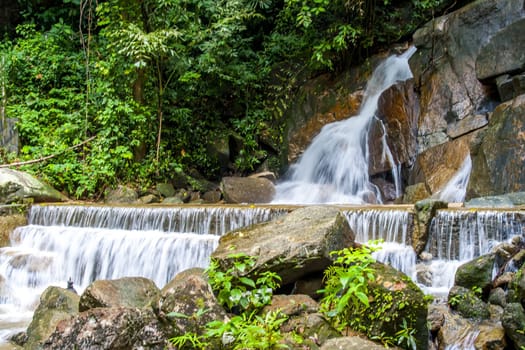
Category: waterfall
[458,236]
[456,188]
[88,243]
[392,226]
[334,168]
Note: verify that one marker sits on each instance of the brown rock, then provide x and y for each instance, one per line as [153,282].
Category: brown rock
[491,337]
[292,305]
[247,190]
[126,292]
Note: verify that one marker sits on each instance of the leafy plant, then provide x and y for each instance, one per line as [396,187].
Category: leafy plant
[235,290]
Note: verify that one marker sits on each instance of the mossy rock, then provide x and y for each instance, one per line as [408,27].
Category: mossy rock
[476,273]
[468,303]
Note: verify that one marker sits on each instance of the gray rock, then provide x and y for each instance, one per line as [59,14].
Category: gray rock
[292,246]
[247,190]
[353,343]
[504,53]
[121,194]
[188,294]
[56,304]
[513,321]
[467,303]
[166,189]
[130,292]
[111,328]
[466,125]
[425,211]
[17,187]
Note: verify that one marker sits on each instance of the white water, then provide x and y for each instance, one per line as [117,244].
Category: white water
[390,226]
[334,168]
[455,190]
[58,244]
[458,236]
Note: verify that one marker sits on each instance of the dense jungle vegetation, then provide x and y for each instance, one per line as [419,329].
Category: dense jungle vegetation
[152,90]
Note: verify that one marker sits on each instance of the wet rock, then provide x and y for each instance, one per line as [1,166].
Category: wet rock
[136,292]
[31,263]
[513,321]
[425,212]
[56,304]
[247,190]
[476,273]
[187,294]
[18,187]
[293,246]
[467,303]
[111,329]
[491,337]
[498,296]
[415,193]
[490,202]
[500,151]
[456,332]
[436,317]
[398,109]
[7,224]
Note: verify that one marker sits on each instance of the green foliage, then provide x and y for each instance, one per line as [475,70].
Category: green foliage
[235,290]
[248,329]
[348,302]
[346,284]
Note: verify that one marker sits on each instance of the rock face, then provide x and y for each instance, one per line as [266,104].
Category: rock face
[56,304]
[126,292]
[293,246]
[247,190]
[115,328]
[500,151]
[17,187]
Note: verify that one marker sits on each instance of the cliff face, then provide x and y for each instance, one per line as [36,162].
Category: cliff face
[465,100]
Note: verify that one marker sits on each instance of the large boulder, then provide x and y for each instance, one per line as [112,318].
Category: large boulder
[126,292]
[247,190]
[395,299]
[500,151]
[56,304]
[476,273]
[17,187]
[513,320]
[188,294]
[293,246]
[114,328]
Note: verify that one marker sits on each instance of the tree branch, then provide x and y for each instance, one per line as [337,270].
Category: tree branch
[47,157]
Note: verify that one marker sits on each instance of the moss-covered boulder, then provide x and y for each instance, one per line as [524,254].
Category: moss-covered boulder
[126,292]
[56,304]
[476,273]
[468,303]
[395,303]
[513,320]
[425,211]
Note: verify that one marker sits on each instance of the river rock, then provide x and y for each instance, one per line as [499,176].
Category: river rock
[188,294]
[17,187]
[491,337]
[467,303]
[7,224]
[293,246]
[406,302]
[312,327]
[56,304]
[247,190]
[130,292]
[513,320]
[500,151]
[415,193]
[425,212]
[476,273]
[110,329]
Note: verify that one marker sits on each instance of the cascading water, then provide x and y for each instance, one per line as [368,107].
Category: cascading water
[456,189]
[393,228]
[458,236]
[89,243]
[334,168]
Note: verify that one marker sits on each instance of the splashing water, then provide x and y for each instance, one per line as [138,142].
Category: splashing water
[334,168]
[456,189]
